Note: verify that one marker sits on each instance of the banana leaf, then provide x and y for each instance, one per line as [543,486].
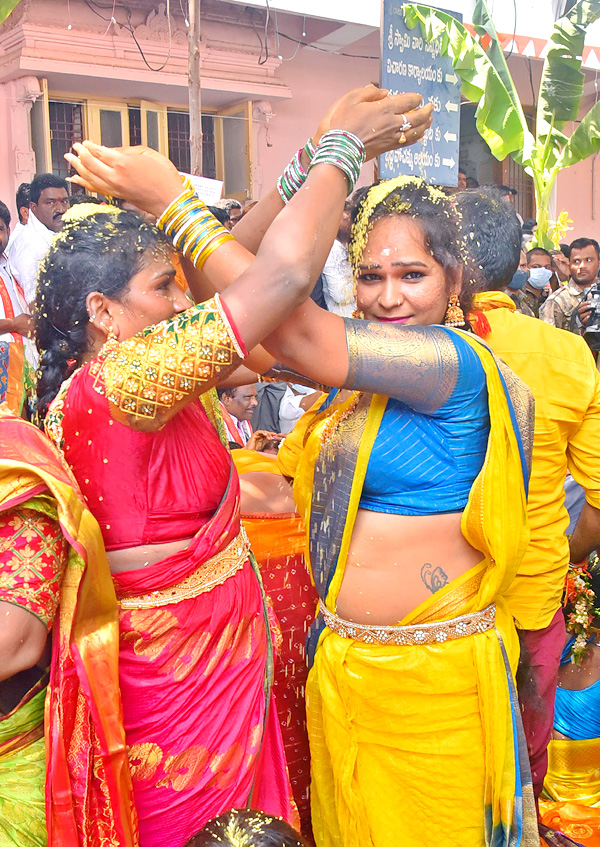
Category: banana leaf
[584,142]
[6,7]
[561,86]
[484,25]
[499,116]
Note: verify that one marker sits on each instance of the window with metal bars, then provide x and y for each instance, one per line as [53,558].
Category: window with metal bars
[66,128]
[178,127]
[514,176]
[178,124]
[135,125]
[209,164]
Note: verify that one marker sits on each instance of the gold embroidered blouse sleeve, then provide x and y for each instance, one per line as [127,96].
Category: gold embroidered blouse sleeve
[33,556]
[416,365]
[148,378]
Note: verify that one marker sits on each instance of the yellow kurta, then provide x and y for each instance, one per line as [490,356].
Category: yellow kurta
[559,369]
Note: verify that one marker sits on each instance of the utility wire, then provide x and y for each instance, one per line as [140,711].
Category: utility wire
[91,4]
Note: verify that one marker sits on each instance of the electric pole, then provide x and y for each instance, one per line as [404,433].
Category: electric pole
[195,95]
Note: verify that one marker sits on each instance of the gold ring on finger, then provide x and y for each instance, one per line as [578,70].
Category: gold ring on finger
[402,138]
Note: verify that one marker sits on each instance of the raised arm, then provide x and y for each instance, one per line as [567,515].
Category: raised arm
[251,229]
[415,364]
[281,276]
[149,377]
[144,177]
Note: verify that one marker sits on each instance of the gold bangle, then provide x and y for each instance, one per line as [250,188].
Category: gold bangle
[162,221]
[214,244]
[185,218]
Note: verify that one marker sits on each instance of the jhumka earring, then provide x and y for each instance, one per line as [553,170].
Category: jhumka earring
[454,314]
[358,314]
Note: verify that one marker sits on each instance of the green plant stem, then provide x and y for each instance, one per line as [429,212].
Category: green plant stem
[543,192]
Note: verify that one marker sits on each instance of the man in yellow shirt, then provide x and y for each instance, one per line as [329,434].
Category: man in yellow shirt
[559,369]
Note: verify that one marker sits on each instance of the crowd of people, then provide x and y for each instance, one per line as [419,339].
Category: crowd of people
[299,508]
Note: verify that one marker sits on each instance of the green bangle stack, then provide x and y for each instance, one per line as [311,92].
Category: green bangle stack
[294,176]
[344,150]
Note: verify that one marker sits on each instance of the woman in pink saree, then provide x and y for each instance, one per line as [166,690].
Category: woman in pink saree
[195,657]
[127,372]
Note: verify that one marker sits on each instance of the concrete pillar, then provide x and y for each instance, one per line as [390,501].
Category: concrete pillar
[17,96]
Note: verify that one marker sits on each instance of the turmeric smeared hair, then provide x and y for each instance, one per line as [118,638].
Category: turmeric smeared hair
[429,208]
[98,249]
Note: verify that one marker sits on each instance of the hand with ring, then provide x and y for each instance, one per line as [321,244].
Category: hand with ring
[379,117]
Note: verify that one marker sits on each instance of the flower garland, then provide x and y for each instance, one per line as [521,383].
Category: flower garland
[579,593]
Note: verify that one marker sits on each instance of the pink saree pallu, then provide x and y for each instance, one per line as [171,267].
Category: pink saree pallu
[195,667]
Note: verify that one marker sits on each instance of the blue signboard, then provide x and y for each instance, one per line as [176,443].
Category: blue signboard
[409,63]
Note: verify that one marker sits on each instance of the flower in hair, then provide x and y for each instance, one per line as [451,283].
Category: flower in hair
[87,210]
[580,594]
[375,196]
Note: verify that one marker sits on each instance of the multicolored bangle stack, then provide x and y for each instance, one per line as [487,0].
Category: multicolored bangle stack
[344,150]
[293,177]
[195,231]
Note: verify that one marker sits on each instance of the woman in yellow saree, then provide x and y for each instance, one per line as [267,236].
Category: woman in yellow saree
[74,787]
[570,801]
[412,714]
[444,762]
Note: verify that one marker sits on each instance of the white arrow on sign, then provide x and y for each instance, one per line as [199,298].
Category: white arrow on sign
[451,78]
[451,107]
[449,163]
[450,136]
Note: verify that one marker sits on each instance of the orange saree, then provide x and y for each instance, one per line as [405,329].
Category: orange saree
[278,541]
[89,800]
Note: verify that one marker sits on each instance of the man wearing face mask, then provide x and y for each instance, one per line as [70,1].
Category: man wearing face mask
[561,306]
[535,290]
[515,289]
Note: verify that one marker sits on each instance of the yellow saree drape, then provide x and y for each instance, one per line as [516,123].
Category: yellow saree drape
[573,785]
[89,797]
[419,744]
[574,771]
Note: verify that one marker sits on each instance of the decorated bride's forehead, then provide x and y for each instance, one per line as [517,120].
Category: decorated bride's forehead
[382,196]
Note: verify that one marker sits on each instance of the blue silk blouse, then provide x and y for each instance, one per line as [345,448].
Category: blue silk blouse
[423,464]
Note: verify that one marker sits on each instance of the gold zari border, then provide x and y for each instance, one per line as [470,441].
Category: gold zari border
[425,633]
[213,571]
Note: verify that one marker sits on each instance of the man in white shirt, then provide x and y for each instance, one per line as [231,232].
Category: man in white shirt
[18,358]
[22,200]
[338,282]
[296,400]
[237,405]
[48,201]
